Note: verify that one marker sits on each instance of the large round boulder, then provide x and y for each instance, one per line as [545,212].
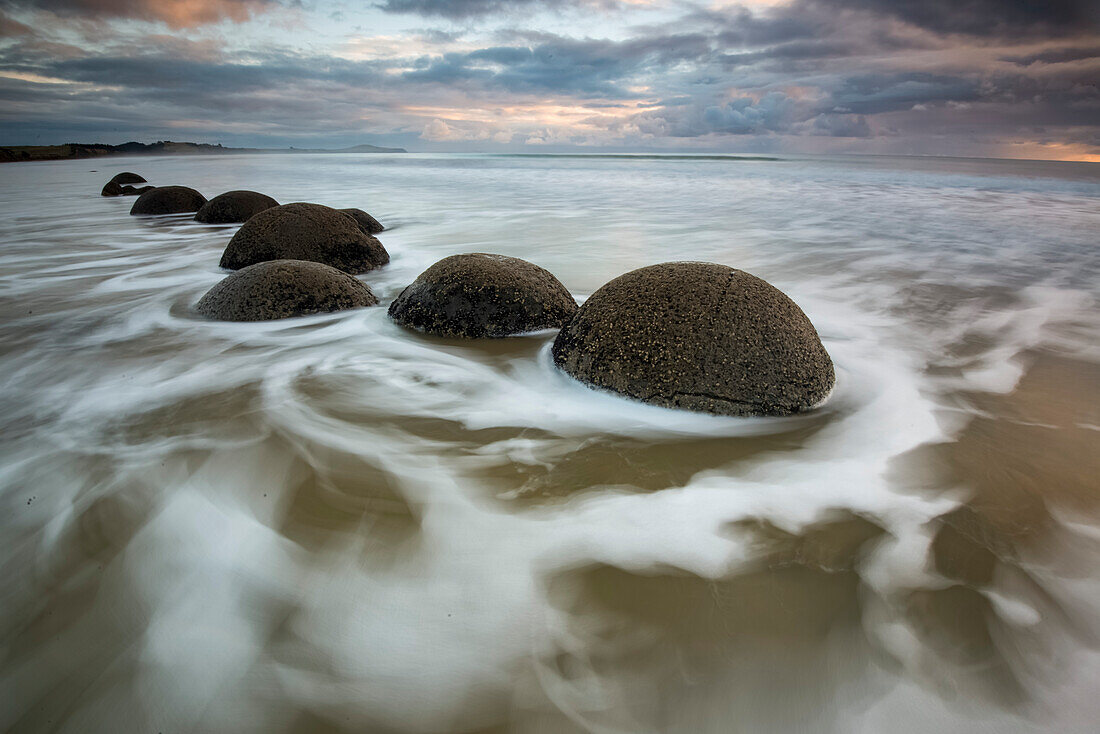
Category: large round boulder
[304,232]
[234,206]
[126,177]
[697,336]
[279,289]
[366,222]
[479,295]
[168,200]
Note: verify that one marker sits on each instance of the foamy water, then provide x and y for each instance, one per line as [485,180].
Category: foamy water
[333,524]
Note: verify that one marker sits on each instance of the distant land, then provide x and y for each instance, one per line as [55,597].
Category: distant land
[161,147]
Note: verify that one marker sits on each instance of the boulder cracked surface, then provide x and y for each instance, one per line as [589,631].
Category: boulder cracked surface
[234,206]
[304,232]
[279,289]
[480,295]
[697,336]
[168,200]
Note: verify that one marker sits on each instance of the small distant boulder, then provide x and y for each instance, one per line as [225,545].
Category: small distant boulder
[304,232]
[279,289]
[126,177]
[480,295]
[697,336]
[367,223]
[168,200]
[114,189]
[234,206]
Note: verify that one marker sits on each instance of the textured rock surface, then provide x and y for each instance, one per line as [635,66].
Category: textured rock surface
[126,177]
[168,200]
[697,336]
[304,232]
[366,222]
[234,206]
[480,295]
[279,289]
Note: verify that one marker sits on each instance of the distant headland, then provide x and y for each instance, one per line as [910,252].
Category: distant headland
[161,147]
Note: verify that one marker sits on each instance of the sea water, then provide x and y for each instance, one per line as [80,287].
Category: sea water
[333,524]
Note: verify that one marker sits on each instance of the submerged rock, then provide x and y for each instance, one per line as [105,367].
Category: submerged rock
[168,200]
[234,206]
[366,222]
[113,189]
[480,295]
[279,289]
[304,232]
[697,336]
[126,177]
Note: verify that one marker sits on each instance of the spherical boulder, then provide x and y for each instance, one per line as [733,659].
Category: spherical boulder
[111,189]
[366,222]
[126,177]
[168,200]
[304,232]
[136,191]
[234,206]
[279,289]
[697,336]
[479,295]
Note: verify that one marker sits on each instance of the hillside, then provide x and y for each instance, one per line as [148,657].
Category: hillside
[161,147]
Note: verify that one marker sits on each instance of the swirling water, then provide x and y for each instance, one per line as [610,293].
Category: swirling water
[332,524]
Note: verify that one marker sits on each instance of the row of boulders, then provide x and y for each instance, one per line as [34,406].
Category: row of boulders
[696,336]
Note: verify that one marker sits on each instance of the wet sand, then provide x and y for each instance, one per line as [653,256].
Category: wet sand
[333,525]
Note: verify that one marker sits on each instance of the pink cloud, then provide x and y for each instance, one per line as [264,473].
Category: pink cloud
[174,13]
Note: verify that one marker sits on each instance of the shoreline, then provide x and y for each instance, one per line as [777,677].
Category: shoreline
[82,151]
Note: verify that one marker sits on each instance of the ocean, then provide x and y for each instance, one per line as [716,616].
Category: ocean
[331,524]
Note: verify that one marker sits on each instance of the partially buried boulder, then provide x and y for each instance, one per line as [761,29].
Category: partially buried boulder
[234,206]
[479,295]
[114,189]
[279,289]
[366,222]
[168,200]
[304,232]
[697,336]
[126,177]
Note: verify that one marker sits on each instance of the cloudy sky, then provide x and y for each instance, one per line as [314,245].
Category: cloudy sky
[1007,78]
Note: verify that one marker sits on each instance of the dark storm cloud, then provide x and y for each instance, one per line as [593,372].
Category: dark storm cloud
[1056,56]
[770,114]
[580,67]
[868,94]
[1000,18]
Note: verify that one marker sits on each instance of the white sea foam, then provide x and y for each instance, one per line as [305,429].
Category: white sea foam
[159,461]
